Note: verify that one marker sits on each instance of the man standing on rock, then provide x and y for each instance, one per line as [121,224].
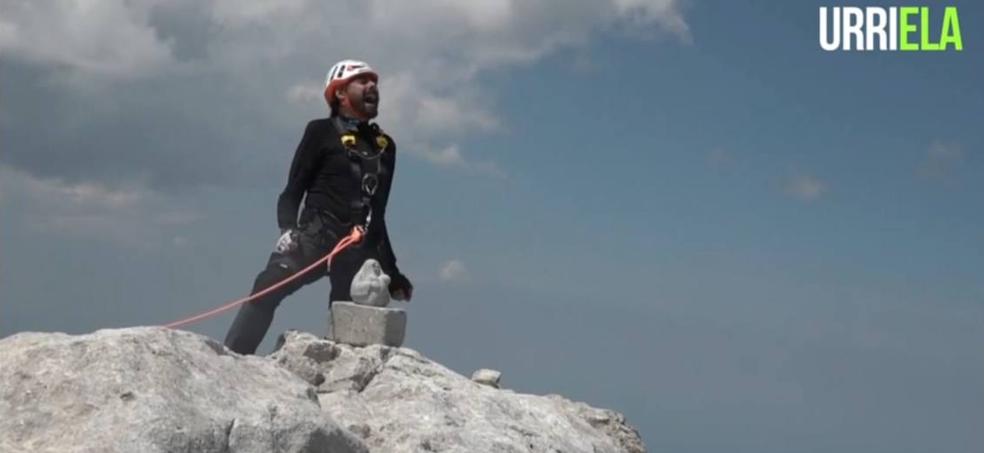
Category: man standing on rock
[343,169]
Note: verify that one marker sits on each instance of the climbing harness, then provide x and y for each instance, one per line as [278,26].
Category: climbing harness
[366,166]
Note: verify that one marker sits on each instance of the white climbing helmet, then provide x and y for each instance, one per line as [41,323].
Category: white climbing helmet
[342,72]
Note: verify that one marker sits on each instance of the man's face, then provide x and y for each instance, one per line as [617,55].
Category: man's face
[363,95]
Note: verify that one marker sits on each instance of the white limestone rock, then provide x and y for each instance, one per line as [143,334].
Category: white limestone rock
[152,390]
[487,377]
[399,401]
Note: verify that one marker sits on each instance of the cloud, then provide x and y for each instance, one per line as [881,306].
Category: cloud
[84,194]
[65,195]
[446,156]
[805,188]
[451,156]
[416,112]
[666,13]
[305,93]
[131,216]
[941,160]
[178,94]
[720,158]
[584,65]
[106,38]
[453,271]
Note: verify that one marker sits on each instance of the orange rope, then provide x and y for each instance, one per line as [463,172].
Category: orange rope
[354,237]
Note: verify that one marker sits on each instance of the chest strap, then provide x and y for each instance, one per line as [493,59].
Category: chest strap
[365,162]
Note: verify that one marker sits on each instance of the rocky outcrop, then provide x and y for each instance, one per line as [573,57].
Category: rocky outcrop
[152,390]
[399,401]
[147,390]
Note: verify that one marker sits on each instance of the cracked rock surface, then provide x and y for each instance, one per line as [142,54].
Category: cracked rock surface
[399,401]
[154,389]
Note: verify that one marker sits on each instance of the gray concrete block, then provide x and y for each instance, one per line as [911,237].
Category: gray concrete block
[361,325]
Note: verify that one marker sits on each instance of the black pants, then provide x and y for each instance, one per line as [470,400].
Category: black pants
[317,236]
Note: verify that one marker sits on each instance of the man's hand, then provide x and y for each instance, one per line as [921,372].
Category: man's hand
[288,242]
[400,287]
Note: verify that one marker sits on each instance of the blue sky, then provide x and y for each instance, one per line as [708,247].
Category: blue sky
[684,211]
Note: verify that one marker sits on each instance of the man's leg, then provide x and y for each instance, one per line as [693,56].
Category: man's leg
[343,270]
[254,318]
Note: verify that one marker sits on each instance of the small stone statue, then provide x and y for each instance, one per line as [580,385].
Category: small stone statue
[370,286]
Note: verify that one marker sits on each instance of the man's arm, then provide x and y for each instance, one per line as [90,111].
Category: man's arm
[386,255]
[385,249]
[304,167]
[400,286]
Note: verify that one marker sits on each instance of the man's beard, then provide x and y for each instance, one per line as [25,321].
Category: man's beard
[369,110]
[368,105]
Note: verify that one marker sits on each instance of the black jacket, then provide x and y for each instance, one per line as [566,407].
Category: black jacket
[330,176]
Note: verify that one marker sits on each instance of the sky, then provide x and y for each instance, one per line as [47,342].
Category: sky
[684,211]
